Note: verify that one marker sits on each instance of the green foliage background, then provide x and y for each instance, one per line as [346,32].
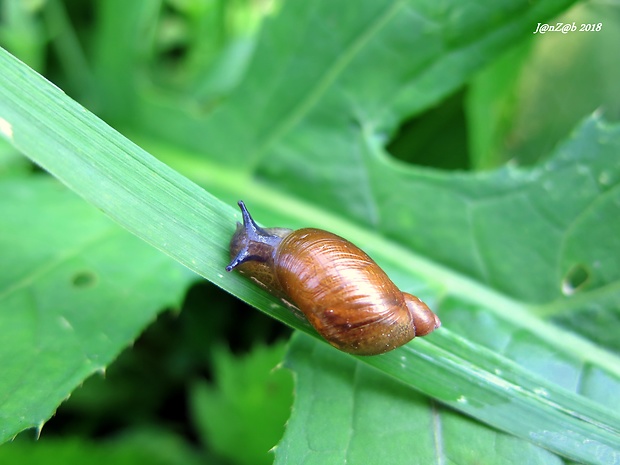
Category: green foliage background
[479,163]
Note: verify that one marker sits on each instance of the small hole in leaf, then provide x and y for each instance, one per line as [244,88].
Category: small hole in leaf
[84,279]
[576,278]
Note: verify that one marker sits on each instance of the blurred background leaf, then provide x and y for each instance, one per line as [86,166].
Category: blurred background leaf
[250,392]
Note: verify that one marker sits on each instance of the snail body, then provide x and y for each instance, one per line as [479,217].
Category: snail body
[339,289]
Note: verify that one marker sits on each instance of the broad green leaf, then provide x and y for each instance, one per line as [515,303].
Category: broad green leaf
[558,207]
[347,413]
[75,289]
[322,73]
[248,404]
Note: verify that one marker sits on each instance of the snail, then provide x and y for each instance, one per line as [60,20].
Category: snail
[339,289]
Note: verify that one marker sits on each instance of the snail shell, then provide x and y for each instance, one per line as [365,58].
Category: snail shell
[339,289]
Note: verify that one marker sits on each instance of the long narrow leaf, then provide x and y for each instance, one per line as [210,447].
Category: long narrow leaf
[178,217]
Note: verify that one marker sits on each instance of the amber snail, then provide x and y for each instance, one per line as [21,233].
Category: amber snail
[339,289]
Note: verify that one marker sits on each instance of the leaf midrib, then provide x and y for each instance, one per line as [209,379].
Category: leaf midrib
[329,77]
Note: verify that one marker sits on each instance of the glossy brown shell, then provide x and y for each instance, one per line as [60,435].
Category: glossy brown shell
[339,289]
[343,293]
